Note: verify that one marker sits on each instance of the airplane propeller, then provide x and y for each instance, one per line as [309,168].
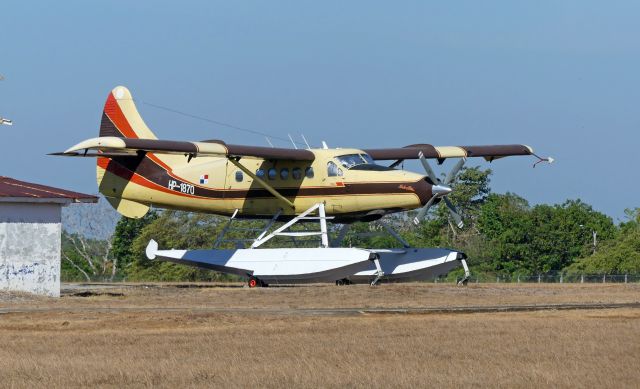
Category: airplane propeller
[440,189]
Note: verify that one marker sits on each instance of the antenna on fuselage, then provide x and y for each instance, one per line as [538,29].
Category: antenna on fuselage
[324,145]
[268,141]
[292,142]
[4,121]
[305,141]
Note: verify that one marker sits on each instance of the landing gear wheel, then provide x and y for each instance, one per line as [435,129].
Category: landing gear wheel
[344,281]
[253,282]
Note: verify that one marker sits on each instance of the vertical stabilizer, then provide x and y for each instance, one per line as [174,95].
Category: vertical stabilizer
[120,117]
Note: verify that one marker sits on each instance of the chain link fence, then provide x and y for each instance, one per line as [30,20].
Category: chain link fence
[549,278]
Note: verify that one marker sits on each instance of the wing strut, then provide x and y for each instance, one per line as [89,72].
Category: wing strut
[261,182]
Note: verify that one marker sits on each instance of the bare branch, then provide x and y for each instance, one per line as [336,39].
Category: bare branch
[77,267]
[83,252]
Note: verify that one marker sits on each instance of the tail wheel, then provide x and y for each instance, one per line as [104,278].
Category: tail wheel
[253,282]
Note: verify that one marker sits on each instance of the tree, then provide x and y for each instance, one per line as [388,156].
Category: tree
[620,255]
[542,238]
[506,225]
[174,229]
[563,233]
[126,231]
[86,250]
[86,259]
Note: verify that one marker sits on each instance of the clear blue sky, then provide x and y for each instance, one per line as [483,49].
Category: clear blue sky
[561,76]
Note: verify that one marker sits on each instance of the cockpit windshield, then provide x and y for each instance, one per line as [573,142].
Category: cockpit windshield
[350,160]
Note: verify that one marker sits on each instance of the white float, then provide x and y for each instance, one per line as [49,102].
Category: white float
[324,264]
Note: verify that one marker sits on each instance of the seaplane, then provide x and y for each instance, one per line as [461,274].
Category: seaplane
[137,171]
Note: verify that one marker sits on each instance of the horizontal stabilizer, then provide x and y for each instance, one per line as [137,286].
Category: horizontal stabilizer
[111,145]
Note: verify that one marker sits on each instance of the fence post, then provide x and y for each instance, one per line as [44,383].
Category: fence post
[582,278]
[625,278]
[604,278]
[561,278]
[497,279]
[538,278]
[518,278]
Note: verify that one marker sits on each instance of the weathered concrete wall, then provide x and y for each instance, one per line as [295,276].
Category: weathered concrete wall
[30,239]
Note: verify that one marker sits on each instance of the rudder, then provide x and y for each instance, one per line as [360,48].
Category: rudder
[121,118]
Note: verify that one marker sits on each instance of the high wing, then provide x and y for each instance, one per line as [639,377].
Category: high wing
[111,146]
[443,152]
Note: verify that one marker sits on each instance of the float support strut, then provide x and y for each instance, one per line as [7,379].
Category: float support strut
[379,273]
[467,273]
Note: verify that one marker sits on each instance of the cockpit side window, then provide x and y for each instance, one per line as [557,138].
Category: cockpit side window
[333,170]
[350,160]
[367,158]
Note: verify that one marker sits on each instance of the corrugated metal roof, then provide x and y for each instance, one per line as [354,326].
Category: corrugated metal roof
[12,189]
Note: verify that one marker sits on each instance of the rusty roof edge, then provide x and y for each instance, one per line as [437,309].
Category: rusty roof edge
[39,200]
[12,190]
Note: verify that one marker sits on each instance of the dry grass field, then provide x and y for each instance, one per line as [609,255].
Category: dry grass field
[168,336]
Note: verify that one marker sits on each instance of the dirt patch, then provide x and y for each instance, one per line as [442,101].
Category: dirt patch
[89,293]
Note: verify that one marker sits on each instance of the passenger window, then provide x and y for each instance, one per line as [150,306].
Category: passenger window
[273,173]
[284,173]
[333,170]
[296,173]
[309,172]
[239,176]
[260,173]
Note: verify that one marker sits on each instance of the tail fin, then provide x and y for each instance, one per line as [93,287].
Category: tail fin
[120,117]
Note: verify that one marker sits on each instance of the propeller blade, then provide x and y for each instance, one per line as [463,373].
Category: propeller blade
[427,167]
[453,212]
[423,211]
[452,174]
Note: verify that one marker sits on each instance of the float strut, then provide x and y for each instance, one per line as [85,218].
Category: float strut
[467,273]
[379,272]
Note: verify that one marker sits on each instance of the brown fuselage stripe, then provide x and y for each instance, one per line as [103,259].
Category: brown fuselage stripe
[155,174]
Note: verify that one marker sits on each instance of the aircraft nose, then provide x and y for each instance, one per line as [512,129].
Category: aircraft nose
[440,190]
[423,190]
[426,190]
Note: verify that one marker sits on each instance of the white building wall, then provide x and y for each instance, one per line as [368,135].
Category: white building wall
[30,240]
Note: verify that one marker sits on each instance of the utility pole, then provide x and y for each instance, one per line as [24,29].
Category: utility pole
[594,234]
[4,121]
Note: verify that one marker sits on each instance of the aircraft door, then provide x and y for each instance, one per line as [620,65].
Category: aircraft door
[340,201]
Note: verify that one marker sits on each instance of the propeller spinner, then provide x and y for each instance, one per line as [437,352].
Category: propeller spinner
[440,189]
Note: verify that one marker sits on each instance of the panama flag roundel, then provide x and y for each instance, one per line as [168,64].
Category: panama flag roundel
[204,179]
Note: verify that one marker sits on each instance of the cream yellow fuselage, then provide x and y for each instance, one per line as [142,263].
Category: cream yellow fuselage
[216,185]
